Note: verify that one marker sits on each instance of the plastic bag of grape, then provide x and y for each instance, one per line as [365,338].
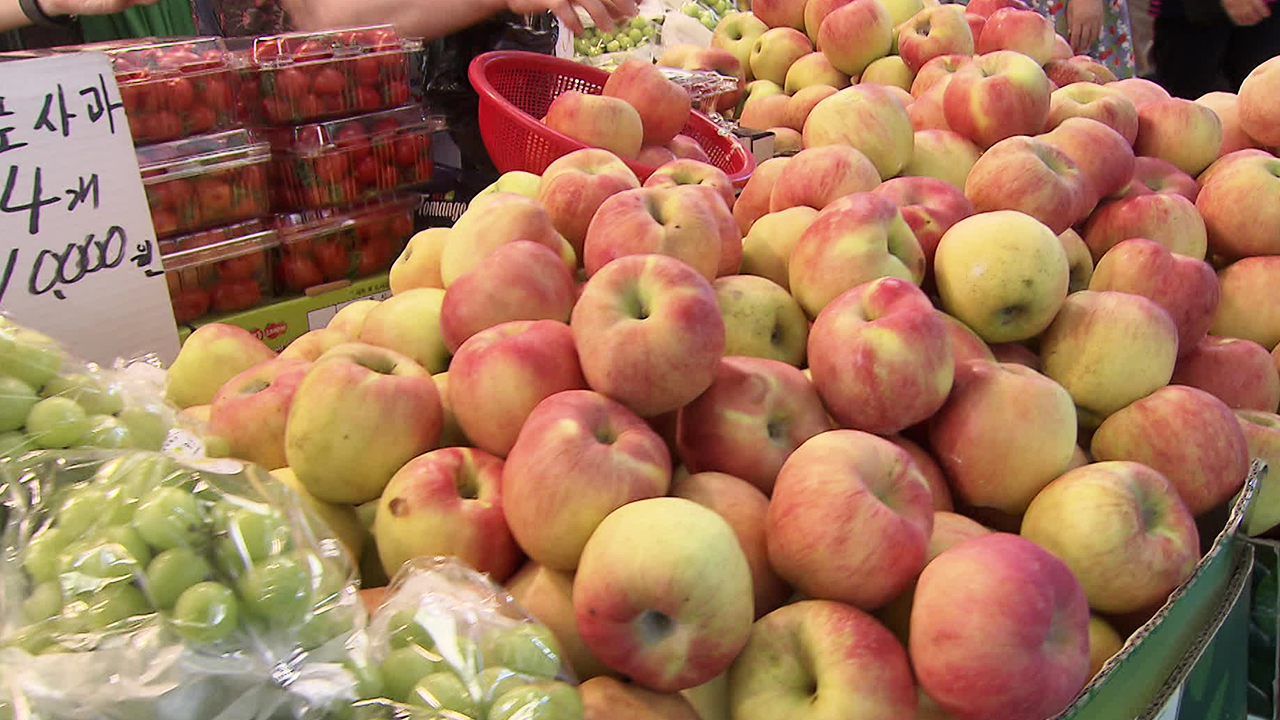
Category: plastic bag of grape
[447,639]
[134,586]
[49,400]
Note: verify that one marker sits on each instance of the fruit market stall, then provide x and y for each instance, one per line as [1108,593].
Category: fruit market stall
[958,404]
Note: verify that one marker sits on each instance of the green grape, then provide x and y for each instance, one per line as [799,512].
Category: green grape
[528,648]
[16,400]
[496,681]
[40,557]
[640,23]
[114,603]
[625,42]
[325,624]
[636,35]
[95,397]
[594,51]
[613,46]
[580,46]
[148,428]
[106,431]
[650,32]
[444,691]
[710,22]
[81,510]
[99,560]
[44,602]
[405,631]
[133,544]
[34,639]
[169,518]
[57,422]
[28,355]
[257,534]
[138,475]
[366,678]
[206,612]
[172,572]
[228,558]
[692,10]
[403,668]
[14,443]
[277,589]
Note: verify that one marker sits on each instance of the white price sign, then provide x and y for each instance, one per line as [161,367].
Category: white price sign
[78,255]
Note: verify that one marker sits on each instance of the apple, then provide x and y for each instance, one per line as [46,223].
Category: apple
[451,434]
[761,319]
[683,146]
[890,70]
[745,507]
[1003,273]
[944,155]
[210,356]
[1026,31]
[813,69]
[694,172]
[998,95]
[359,414]
[854,35]
[754,415]
[418,265]
[1245,309]
[753,201]
[965,344]
[1078,68]
[447,502]
[927,111]
[655,155]
[1185,133]
[547,595]
[775,51]
[1134,541]
[492,222]
[1140,91]
[938,487]
[1000,630]
[786,141]
[350,318]
[1079,260]
[929,206]
[985,8]
[501,373]
[1188,435]
[881,357]
[1167,218]
[856,239]
[673,221]
[1185,287]
[1262,433]
[1033,176]
[759,88]
[1250,182]
[780,13]
[818,176]
[1259,110]
[1104,157]
[816,12]
[250,410]
[1153,175]
[516,181]
[312,344]
[821,660]
[1103,103]
[605,697]
[1104,643]
[663,105]
[935,69]
[802,103]
[676,615]
[762,111]
[869,118]
[766,250]
[409,323]
[1226,161]
[1108,349]
[599,455]
[1226,106]
[598,121]
[990,461]
[737,33]
[849,519]
[341,519]
[1240,373]
[933,31]
[575,185]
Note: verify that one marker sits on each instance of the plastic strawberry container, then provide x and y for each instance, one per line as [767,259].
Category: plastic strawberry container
[206,181]
[340,162]
[172,88]
[231,275]
[212,236]
[302,77]
[324,246]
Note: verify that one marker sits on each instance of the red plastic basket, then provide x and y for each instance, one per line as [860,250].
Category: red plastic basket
[517,87]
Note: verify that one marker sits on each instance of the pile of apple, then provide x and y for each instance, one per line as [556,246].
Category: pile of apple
[921,421]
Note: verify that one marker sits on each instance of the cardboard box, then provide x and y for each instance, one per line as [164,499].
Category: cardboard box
[1187,662]
[1264,629]
[279,323]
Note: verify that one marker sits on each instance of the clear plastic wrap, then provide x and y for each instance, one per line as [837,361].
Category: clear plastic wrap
[448,640]
[134,586]
[51,400]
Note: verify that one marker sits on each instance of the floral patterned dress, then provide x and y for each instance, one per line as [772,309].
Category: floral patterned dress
[1114,47]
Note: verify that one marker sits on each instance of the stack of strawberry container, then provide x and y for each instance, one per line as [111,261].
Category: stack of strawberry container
[346,138]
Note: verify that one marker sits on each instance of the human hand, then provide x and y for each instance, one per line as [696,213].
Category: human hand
[1246,12]
[1084,23]
[55,8]
[605,13]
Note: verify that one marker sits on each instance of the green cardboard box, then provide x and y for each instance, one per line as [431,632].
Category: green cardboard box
[1189,661]
[279,323]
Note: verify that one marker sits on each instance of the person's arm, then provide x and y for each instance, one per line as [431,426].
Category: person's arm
[12,15]
[432,19]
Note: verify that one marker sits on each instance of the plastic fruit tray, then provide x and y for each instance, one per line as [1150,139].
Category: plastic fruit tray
[227,276]
[205,182]
[323,246]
